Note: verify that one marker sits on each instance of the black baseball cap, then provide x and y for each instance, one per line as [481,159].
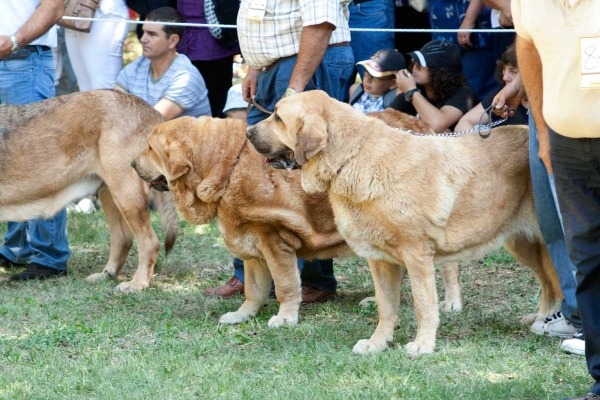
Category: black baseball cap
[384,63]
[438,54]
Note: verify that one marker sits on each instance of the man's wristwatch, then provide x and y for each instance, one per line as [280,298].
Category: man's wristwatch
[409,95]
[289,92]
[15,43]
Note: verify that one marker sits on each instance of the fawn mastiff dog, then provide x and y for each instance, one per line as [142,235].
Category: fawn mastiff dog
[61,149]
[407,201]
[265,217]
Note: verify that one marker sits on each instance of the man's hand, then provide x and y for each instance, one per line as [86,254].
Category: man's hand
[509,98]
[505,21]
[5,45]
[249,84]
[464,38]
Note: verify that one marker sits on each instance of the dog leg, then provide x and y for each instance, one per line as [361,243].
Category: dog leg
[367,301]
[257,282]
[535,256]
[131,197]
[283,267]
[452,299]
[421,272]
[120,238]
[386,278]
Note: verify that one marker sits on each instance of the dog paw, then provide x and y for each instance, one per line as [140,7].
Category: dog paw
[368,302]
[365,346]
[415,349]
[130,287]
[451,306]
[233,318]
[98,277]
[276,321]
[529,319]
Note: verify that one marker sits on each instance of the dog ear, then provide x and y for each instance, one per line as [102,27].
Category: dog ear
[177,166]
[311,138]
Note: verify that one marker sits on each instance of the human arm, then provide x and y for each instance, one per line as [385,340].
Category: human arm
[473,11]
[503,6]
[314,41]
[42,19]
[530,69]
[439,119]
[475,116]
[168,109]
[249,84]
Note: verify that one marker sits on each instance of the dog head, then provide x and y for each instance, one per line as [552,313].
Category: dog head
[297,126]
[194,158]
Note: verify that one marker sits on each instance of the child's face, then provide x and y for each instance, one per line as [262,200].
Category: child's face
[378,86]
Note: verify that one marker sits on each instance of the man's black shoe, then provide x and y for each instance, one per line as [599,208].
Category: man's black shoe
[37,271]
[6,263]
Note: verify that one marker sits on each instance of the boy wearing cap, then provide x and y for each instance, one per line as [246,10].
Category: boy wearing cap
[236,106]
[433,87]
[379,82]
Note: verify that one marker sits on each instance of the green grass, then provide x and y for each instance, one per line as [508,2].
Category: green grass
[65,339]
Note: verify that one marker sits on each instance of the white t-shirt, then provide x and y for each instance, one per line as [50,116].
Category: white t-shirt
[14,14]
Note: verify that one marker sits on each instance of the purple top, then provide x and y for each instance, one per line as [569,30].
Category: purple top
[198,43]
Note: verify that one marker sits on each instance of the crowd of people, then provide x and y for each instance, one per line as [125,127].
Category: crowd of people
[448,80]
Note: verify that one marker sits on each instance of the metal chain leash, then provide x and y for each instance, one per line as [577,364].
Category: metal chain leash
[480,128]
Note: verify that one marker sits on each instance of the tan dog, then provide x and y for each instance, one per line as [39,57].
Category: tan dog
[62,149]
[265,217]
[406,200]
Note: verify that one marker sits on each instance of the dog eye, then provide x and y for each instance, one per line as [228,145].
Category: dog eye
[149,148]
[276,117]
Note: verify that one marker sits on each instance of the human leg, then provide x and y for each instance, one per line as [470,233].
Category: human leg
[371,14]
[217,75]
[551,227]
[576,165]
[100,52]
[41,243]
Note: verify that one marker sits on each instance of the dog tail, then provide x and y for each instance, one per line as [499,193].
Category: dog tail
[163,201]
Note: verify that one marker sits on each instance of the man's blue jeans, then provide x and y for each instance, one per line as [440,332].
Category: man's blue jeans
[547,211]
[371,14]
[331,76]
[576,165]
[41,241]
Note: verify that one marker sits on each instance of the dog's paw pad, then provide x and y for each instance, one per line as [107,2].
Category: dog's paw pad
[365,346]
[415,349]
[276,321]
[97,277]
[233,318]
[451,306]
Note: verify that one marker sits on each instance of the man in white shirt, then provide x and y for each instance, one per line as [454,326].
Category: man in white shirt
[27,35]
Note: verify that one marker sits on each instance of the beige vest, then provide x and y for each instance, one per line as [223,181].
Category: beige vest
[555,27]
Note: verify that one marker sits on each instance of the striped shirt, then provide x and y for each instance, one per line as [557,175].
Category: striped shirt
[181,83]
[277,35]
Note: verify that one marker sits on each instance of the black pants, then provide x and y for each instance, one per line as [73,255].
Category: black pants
[408,18]
[576,165]
[217,75]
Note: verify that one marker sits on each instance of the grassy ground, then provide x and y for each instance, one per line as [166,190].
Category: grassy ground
[64,338]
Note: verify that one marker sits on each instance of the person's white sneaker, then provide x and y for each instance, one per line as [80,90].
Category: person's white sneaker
[554,325]
[575,345]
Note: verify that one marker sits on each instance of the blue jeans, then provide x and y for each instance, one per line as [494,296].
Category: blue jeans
[40,241]
[479,67]
[331,76]
[371,14]
[576,165]
[547,211]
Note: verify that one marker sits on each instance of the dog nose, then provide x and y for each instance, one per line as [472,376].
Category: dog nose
[250,132]
[133,164]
